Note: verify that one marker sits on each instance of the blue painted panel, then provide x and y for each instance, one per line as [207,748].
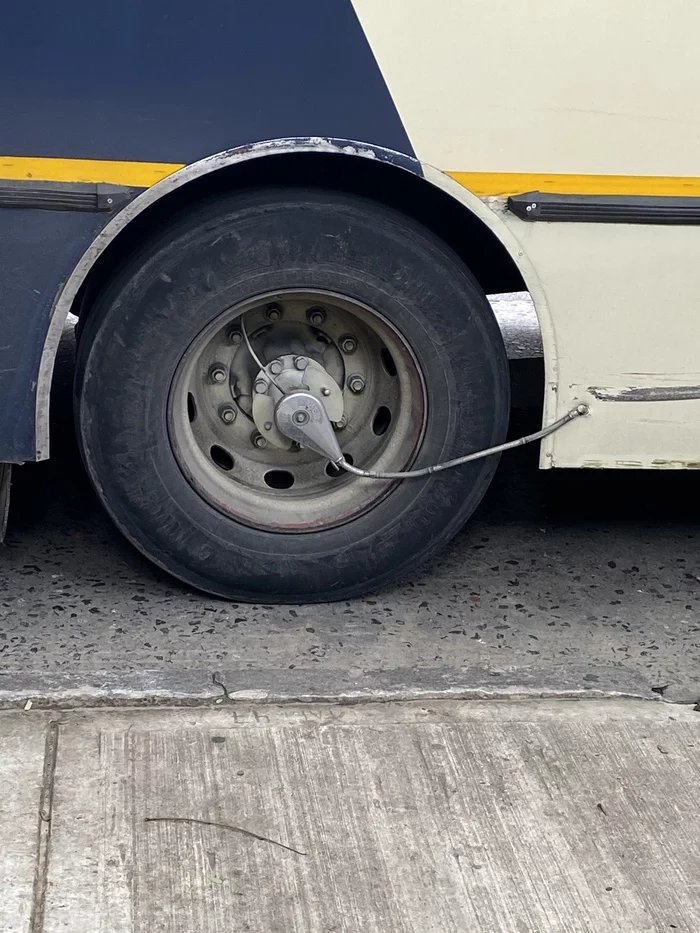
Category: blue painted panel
[162,81]
[38,249]
[173,81]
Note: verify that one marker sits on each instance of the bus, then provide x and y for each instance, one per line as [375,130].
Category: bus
[277,224]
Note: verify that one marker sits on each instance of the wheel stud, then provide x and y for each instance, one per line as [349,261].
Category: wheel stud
[275,367]
[258,440]
[316,316]
[273,313]
[301,362]
[217,373]
[348,344]
[341,423]
[356,383]
[228,415]
[261,386]
[235,336]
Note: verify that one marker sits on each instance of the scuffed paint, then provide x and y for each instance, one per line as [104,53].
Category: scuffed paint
[675,465]
[645,393]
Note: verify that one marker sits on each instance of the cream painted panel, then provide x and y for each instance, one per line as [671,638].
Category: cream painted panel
[573,86]
[580,87]
[629,435]
[624,302]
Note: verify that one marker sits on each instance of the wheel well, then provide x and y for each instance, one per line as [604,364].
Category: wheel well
[471,239]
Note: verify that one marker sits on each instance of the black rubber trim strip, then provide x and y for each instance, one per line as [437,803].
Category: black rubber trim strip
[64,196]
[604,209]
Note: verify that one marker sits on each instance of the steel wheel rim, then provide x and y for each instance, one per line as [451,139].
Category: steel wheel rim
[216,451]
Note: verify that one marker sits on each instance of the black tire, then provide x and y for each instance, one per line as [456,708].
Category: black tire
[224,251]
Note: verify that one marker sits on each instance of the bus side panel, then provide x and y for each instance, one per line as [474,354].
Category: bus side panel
[167,81]
[38,250]
[595,98]
[624,301]
[593,87]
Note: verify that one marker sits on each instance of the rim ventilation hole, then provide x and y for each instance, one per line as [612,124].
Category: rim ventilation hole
[334,471]
[279,479]
[388,361]
[222,458]
[191,407]
[382,420]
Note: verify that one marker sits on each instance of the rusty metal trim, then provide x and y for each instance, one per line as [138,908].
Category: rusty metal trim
[646,394]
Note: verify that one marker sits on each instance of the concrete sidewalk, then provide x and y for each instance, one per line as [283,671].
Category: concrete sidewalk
[449,816]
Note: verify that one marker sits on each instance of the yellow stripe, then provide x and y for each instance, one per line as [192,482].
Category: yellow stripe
[482,184]
[131,174]
[503,184]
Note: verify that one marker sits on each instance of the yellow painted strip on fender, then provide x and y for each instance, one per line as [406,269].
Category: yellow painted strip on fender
[129,174]
[482,184]
[505,184]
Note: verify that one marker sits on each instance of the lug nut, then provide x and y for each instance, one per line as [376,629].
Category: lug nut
[301,362]
[228,415]
[258,440]
[273,313]
[348,344]
[217,373]
[316,316]
[235,336]
[275,367]
[261,386]
[341,423]
[356,383]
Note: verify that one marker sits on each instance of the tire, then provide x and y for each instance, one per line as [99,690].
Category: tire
[226,251]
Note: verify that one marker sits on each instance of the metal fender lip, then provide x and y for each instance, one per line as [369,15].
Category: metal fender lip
[5,483]
[182,175]
[179,177]
[170,177]
[320,144]
[605,209]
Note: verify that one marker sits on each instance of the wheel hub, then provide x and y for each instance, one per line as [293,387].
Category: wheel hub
[347,359]
[286,374]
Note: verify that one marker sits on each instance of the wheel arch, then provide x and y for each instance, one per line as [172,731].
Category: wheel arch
[472,228]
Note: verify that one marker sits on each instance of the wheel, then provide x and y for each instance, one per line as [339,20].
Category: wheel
[377,317]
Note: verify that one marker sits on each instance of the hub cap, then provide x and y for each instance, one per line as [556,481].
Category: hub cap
[221,409]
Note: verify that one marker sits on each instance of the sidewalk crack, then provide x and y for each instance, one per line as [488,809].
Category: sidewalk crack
[41,870]
[233,829]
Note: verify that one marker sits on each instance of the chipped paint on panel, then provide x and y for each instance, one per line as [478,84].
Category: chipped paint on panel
[646,393]
[675,465]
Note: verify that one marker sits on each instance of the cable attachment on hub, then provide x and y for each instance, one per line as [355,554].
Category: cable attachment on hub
[303,418]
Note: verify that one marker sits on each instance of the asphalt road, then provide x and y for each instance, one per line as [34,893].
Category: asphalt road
[578,577]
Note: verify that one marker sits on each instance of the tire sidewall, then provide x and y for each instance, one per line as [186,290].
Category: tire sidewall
[251,244]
